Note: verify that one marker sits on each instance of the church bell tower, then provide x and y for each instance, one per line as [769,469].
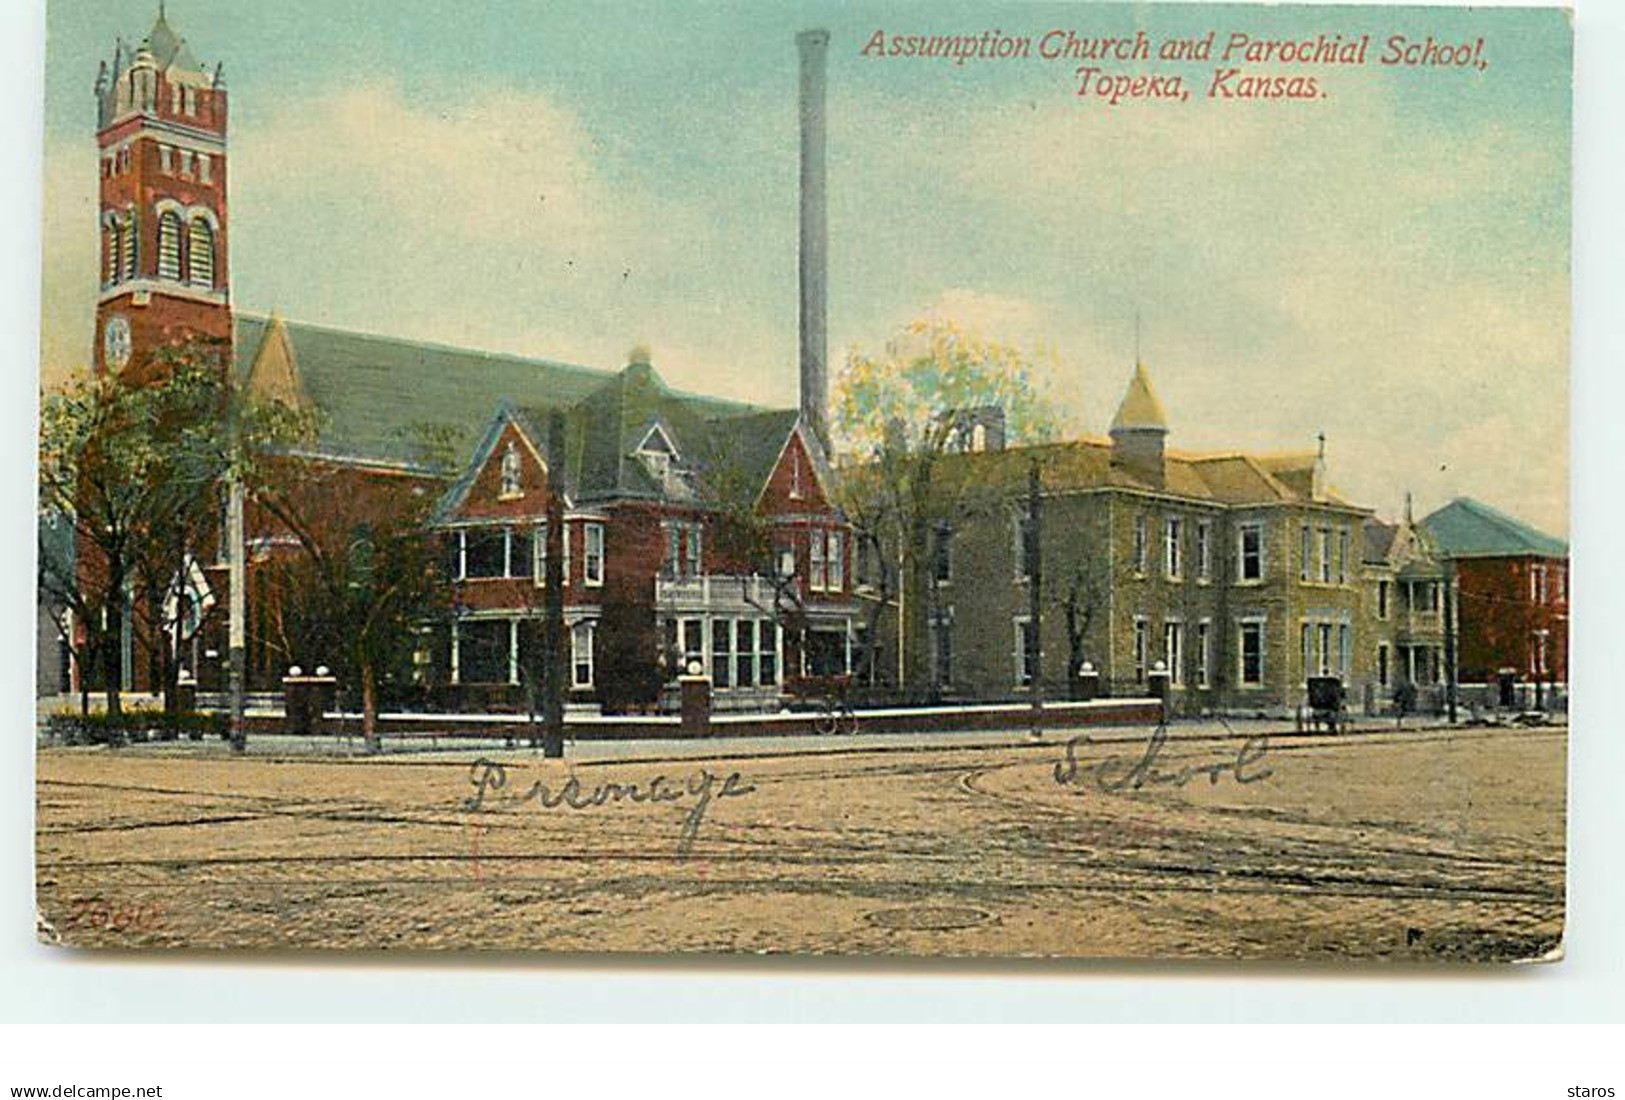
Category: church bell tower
[161,132]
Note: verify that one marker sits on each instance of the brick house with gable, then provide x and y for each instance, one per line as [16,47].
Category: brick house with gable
[696,532]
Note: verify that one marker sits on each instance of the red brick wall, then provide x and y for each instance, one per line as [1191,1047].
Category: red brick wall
[1498,618]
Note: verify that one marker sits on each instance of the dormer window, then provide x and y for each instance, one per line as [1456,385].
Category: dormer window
[659,456]
[511,488]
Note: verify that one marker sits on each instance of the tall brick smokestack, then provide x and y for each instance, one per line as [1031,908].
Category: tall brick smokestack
[814,47]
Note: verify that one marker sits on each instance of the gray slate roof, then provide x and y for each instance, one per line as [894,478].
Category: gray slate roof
[1467,528]
[379,397]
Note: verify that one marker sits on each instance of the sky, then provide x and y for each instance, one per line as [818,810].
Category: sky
[1387,265]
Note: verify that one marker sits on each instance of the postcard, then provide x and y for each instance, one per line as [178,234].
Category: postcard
[993,480]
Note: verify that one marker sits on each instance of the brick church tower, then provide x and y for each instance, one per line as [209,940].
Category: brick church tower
[161,131]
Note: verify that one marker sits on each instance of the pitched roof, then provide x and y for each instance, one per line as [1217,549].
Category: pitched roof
[381,398]
[1140,409]
[169,50]
[1378,540]
[1467,528]
[1225,479]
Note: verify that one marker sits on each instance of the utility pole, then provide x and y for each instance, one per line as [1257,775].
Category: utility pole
[236,649]
[1450,640]
[553,606]
[1035,600]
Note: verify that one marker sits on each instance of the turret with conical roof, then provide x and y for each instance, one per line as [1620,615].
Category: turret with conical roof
[1139,431]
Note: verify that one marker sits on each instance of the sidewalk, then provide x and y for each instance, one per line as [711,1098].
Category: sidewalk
[425,748]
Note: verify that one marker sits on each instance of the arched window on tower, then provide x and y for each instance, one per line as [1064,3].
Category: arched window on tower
[127,246]
[200,253]
[112,256]
[169,245]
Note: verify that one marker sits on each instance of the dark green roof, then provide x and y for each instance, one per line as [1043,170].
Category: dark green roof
[1466,528]
[376,395]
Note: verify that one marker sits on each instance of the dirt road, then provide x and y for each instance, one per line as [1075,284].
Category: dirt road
[1421,845]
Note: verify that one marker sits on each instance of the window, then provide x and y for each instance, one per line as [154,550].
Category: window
[816,579]
[1026,547]
[1307,643]
[1203,653]
[787,560]
[1306,551]
[1171,537]
[1173,650]
[512,468]
[186,162]
[685,552]
[837,562]
[581,643]
[541,554]
[1343,556]
[483,651]
[521,551]
[127,245]
[485,553]
[767,651]
[1382,600]
[113,243]
[592,554]
[1138,556]
[942,563]
[200,253]
[1537,582]
[169,245]
[204,165]
[1026,652]
[1250,552]
[1324,548]
[721,654]
[695,549]
[1345,654]
[1251,655]
[1382,664]
[166,160]
[1323,636]
[1142,633]
[1204,550]
[745,650]
[1561,575]
[189,100]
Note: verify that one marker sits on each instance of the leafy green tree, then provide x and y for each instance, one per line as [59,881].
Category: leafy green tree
[138,469]
[898,416]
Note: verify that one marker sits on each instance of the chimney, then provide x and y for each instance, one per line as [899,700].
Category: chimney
[814,47]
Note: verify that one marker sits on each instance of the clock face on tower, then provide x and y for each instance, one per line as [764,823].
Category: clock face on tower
[116,341]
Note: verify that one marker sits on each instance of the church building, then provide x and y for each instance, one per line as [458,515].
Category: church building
[697,531]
